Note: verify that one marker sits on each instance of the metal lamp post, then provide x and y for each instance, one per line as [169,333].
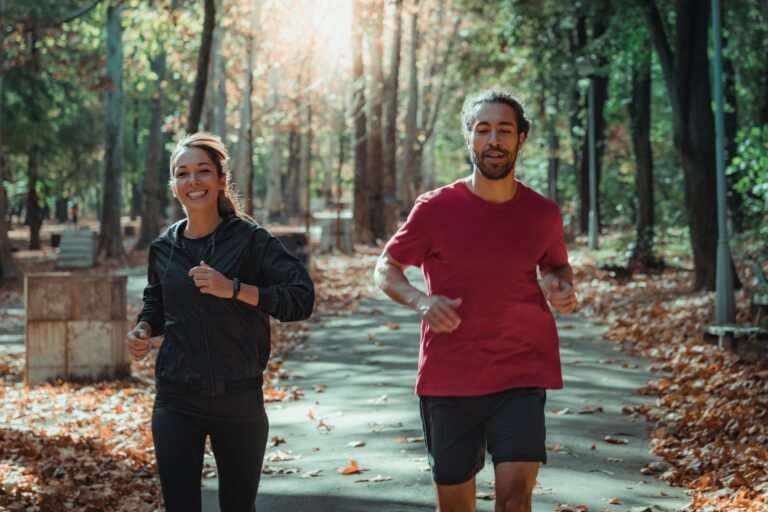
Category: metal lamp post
[724,306]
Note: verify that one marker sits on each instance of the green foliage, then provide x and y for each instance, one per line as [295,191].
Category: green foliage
[750,166]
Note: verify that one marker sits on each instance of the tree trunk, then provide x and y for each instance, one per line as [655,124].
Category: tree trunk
[150,218]
[8,268]
[553,168]
[244,164]
[375,121]
[389,164]
[600,84]
[578,41]
[274,205]
[292,177]
[362,212]
[305,164]
[211,102]
[410,144]
[110,235]
[34,212]
[201,78]
[640,125]
[686,73]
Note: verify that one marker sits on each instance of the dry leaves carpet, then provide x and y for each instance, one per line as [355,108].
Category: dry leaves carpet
[711,419]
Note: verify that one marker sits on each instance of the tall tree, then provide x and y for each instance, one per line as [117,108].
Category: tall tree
[640,126]
[8,268]
[686,74]
[203,58]
[389,163]
[150,218]
[375,119]
[362,213]
[274,177]
[411,165]
[110,236]
[599,83]
[244,161]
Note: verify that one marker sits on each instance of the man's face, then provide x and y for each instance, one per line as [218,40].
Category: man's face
[493,140]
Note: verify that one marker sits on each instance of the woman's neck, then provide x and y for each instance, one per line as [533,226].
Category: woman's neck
[201,225]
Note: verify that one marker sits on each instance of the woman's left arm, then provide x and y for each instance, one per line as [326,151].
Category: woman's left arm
[288,293]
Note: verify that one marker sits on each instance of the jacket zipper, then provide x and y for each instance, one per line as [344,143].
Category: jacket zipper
[208,353]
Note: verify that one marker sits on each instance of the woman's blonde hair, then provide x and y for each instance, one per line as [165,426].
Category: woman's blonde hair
[228,201]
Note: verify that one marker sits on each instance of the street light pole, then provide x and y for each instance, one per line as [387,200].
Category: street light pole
[724,306]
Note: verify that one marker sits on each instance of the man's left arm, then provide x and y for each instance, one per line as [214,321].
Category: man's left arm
[557,284]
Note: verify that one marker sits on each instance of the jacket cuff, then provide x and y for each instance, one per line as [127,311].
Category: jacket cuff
[158,328]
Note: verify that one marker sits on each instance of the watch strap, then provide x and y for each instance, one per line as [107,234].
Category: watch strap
[235,287]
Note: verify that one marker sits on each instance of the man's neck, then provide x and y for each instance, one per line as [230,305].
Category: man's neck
[201,224]
[493,191]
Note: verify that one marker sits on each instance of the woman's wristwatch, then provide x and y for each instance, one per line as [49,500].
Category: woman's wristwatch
[235,287]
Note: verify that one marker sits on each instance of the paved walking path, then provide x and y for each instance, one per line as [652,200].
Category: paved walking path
[358,373]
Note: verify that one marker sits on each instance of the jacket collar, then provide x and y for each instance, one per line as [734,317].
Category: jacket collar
[222,232]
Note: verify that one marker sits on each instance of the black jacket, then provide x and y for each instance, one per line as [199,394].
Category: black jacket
[213,345]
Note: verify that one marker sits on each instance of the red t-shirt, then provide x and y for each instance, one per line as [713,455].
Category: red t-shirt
[486,254]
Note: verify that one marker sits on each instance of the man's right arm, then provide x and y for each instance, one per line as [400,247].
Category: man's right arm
[390,277]
[436,310]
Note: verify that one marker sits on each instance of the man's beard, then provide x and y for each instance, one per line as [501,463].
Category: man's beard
[494,172]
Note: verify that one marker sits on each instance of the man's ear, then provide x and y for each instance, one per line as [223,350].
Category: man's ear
[520,140]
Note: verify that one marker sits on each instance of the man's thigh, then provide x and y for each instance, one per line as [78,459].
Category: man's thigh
[454,439]
[515,431]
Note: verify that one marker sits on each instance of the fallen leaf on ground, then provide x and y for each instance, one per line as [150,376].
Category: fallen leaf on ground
[310,474]
[269,470]
[276,441]
[377,478]
[281,456]
[554,447]
[560,507]
[392,325]
[352,469]
[320,388]
[403,439]
[356,444]
[615,459]
[615,440]
[561,411]
[591,410]
[614,501]
[487,496]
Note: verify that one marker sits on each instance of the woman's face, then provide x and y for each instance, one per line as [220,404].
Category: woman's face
[196,181]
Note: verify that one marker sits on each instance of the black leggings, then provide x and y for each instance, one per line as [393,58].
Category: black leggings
[180,445]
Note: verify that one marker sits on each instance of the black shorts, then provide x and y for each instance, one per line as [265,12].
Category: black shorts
[457,431]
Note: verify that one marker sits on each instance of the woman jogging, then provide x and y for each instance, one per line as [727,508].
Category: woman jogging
[215,278]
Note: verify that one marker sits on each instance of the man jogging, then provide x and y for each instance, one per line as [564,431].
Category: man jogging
[489,345]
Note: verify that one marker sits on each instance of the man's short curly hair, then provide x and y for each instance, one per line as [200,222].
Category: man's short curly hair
[493,96]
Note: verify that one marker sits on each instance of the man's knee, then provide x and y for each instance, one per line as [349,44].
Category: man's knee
[520,502]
